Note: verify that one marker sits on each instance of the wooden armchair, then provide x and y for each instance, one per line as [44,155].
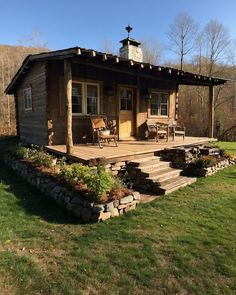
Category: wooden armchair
[100,129]
[177,130]
[156,129]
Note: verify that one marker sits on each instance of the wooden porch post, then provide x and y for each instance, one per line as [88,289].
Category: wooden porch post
[68,98]
[211,112]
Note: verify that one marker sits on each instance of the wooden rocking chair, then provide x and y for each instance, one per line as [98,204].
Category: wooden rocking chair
[103,133]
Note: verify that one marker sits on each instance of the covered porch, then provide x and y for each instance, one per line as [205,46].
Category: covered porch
[90,154]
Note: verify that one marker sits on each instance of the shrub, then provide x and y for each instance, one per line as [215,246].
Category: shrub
[22,152]
[42,158]
[98,181]
[229,155]
[205,161]
[19,152]
[75,173]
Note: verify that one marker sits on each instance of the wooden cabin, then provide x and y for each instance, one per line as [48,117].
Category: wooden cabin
[56,92]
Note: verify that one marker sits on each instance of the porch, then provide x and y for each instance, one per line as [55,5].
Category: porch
[90,154]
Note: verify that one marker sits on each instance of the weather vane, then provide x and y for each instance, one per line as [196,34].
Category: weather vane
[129,29]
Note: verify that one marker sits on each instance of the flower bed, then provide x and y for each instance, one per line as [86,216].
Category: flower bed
[91,193]
[208,165]
[200,160]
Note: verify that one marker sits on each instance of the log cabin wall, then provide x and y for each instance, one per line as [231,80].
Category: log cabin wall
[32,123]
[108,81]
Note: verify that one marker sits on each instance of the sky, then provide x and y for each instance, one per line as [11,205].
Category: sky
[91,23]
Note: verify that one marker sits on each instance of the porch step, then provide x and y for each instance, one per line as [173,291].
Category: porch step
[152,174]
[164,174]
[147,161]
[156,166]
[174,184]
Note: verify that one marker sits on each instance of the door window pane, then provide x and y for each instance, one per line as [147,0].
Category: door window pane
[126,100]
[92,99]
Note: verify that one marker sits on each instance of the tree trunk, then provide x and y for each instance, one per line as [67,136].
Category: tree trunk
[68,97]
[211,112]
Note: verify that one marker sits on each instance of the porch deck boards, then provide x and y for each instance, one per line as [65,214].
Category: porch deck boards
[91,154]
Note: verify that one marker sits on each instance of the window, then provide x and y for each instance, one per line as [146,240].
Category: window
[27,94]
[85,98]
[126,100]
[159,104]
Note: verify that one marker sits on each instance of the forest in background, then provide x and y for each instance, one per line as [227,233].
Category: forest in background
[206,51]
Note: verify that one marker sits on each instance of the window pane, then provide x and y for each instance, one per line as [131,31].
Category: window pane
[154,104]
[164,104]
[164,110]
[129,100]
[77,98]
[27,94]
[164,98]
[123,104]
[92,99]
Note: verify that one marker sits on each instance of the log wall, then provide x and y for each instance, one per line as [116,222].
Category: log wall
[32,124]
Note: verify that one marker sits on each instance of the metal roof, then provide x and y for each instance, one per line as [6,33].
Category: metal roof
[114,63]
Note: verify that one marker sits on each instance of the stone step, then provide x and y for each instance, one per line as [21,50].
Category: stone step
[156,166]
[173,184]
[147,161]
[163,175]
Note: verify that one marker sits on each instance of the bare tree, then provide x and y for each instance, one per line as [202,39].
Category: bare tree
[35,40]
[152,51]
[182,34]
[216,41]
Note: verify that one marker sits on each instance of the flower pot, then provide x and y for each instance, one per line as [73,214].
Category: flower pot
[104,132]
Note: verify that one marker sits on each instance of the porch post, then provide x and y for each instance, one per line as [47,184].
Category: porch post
[176,102]
[211,112]
[68,98]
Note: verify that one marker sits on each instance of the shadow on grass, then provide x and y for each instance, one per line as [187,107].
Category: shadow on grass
[33,201]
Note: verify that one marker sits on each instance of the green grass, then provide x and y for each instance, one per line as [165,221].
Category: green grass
[184,243]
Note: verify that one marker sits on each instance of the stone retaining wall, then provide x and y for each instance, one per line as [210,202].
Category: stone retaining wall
[72,201]
[194,171]
[117,168]
[179,157]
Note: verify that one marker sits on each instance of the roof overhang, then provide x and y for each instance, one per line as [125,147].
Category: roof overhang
[114,63]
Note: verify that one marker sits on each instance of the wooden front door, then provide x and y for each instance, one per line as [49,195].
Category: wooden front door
[126,107]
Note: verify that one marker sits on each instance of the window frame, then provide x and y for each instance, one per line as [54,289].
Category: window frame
[27,97]
[84,85]
[159,103]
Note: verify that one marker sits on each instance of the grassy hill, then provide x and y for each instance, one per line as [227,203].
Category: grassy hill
[183,243]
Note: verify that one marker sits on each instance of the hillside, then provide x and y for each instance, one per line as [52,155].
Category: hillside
[11,57]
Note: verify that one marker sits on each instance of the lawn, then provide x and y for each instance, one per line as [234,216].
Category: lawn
[184,243]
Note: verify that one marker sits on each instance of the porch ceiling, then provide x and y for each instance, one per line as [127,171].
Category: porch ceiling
[114,63]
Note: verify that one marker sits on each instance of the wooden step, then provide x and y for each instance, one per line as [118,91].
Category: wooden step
[164,174]
[154,167]
[173,184]
[147,161]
